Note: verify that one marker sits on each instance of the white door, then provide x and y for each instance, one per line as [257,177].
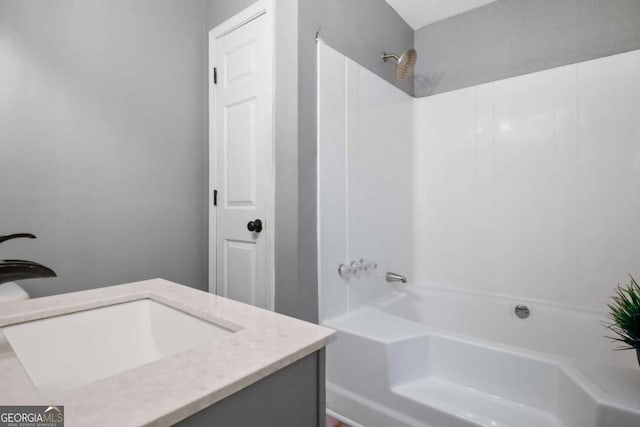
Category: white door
[241,171]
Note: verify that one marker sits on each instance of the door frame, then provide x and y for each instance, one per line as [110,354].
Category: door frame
[256,10]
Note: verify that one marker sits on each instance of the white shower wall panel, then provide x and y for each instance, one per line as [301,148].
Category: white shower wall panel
[609,179]
[365,149]
[453,174]
[530,186]
[332,179]
[380,152]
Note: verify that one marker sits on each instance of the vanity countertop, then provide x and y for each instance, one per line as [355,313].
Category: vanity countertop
[170,389]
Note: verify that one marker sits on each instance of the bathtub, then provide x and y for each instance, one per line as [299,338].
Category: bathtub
[438,358]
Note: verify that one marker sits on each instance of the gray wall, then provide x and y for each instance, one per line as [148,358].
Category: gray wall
[362,30]
[219,11]
[103,126]
[514,37]
[102,140]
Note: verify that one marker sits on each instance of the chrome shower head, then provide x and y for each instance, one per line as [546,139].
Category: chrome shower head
[405,63]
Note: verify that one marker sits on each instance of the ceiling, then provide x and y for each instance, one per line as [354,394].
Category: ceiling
[419,13]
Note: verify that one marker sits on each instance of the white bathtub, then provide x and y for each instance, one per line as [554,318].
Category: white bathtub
[429,357]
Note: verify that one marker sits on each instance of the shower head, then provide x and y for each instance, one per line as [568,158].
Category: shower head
[405,63]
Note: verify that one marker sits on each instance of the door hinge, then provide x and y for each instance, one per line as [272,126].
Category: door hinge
[215,197]
[215,76]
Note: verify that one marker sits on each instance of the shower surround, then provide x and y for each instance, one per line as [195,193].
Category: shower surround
[518,192]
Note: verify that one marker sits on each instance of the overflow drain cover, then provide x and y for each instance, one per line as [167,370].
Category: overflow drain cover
[522,311]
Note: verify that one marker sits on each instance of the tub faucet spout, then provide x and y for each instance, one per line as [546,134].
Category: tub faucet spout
[395,277]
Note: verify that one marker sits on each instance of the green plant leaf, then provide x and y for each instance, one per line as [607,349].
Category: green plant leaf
[624,314]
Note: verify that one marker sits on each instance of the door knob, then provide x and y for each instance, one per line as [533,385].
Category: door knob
[255,226]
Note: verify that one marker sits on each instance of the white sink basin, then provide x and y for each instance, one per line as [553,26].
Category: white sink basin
[64,352]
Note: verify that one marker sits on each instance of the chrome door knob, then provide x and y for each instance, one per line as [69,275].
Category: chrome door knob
[255,226]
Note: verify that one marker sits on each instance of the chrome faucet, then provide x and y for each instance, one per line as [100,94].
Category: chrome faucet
[395,277]
[15,269]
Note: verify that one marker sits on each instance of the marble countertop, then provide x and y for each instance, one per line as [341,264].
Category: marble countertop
[172,388]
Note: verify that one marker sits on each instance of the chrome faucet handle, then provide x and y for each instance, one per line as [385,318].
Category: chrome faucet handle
[395,277]
[356,268]
[344,271]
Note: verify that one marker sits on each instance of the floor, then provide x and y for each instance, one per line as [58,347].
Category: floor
[332,422]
